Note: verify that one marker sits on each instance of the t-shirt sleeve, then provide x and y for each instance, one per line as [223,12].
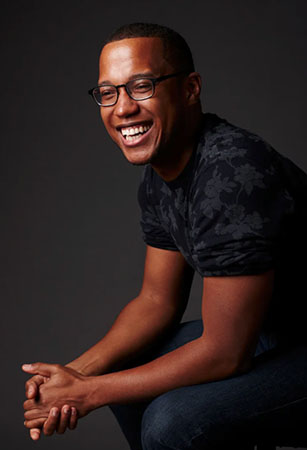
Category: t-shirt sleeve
[154,233]
[240,209]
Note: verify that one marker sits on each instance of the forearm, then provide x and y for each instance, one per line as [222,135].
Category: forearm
[193,363]
[138,325]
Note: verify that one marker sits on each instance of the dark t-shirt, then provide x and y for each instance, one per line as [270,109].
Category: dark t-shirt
[237,208]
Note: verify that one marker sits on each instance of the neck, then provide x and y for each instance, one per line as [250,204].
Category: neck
[173,161]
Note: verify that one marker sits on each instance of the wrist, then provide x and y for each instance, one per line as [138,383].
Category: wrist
[77,367]
[99,391]
[89,368]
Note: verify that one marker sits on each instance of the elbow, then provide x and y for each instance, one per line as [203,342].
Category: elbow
[243,367]
[236,366]
[223,364]
[227,368]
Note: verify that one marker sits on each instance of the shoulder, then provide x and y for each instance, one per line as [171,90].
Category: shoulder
[237,170]
[222,142]
[229,151]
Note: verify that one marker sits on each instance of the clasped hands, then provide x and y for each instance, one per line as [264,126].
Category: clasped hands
[56,397]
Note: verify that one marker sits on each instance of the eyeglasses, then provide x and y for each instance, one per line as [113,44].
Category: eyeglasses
[138,89]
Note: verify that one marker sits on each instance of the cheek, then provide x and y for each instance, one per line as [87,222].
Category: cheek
[105,117]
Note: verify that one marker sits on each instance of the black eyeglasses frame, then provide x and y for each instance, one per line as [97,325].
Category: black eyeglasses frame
[126,86]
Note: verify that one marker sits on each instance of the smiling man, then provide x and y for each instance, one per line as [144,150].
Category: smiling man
[215,199]
[150,121]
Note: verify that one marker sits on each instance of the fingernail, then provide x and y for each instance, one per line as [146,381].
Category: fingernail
[73,411]
[66,410]
[31,390]
[55,412]
[27,366]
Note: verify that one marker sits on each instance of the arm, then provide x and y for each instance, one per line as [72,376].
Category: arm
[233,311]
[160,303]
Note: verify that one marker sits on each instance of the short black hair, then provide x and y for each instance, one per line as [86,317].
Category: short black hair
[176,50]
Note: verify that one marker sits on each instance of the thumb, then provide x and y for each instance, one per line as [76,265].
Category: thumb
[39,368]
[35,434]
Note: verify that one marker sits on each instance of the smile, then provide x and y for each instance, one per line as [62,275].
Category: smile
[134,132]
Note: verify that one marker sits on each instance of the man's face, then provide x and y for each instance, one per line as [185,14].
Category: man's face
[159,118]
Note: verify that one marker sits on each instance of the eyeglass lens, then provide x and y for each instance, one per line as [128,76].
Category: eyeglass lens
[138,89]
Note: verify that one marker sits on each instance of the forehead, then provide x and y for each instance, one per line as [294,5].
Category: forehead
[121,60]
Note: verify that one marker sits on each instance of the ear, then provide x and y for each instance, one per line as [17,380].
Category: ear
[193,87]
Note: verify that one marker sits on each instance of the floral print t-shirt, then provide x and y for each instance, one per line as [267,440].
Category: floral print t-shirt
[237,208]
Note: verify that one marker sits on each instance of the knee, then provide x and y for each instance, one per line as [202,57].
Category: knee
[175,420]
[160,425]
[167,425]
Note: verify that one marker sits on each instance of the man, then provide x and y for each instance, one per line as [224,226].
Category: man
[215,199]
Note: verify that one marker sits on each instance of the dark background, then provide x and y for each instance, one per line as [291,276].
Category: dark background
[71,250]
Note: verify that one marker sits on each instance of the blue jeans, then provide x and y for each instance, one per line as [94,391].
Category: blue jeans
[269,403]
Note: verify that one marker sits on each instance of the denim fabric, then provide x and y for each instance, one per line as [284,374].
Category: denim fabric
[269,402]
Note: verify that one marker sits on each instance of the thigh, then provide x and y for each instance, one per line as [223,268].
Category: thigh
[130,416]
[241,410]
[176,337]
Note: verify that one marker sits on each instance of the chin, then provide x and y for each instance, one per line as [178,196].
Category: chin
[139,157]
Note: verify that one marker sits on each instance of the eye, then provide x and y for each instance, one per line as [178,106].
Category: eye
[107,91]
[142,86]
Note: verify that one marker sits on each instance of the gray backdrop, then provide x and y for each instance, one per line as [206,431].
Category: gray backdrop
[71,251]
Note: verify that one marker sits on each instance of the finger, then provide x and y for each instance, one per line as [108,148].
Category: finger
[40,368]
[64,419]
[73,419]
[29,404]
[32,385]
[35,434]
[51,423]
[31,390]
[35,423]
[36,413]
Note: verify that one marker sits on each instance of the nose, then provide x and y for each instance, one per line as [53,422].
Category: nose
[125,105]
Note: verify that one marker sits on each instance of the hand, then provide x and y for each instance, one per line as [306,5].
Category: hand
[57,420]
[32,389]
[62,386]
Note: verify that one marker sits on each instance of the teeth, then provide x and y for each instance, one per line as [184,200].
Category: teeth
[131,138]
[133,131]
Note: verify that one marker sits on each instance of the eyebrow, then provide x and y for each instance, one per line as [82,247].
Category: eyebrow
[135,76]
